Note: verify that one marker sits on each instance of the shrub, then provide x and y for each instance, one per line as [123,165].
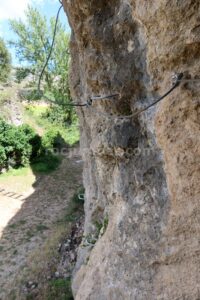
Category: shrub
[59,115]
[53,140]
[18,145]
[2,157]
[33,139]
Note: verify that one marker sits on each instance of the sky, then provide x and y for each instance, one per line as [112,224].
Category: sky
[14,9]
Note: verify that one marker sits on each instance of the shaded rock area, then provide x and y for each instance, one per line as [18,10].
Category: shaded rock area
[141,173]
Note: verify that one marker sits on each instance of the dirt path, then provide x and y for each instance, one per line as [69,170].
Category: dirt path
[26,222]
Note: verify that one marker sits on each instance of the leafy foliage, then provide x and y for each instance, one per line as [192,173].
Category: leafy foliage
[57,115]
[5,61]
[17,145]
[33,44]
[45,119]
[20,146]
[52,139]
[21,73]
[2,156]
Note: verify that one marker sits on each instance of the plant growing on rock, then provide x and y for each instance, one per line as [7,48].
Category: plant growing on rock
[91,238]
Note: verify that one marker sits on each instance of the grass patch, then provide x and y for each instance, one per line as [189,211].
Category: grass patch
[60,289]
[46,164]
[19,180]
[36,110]
[22,171]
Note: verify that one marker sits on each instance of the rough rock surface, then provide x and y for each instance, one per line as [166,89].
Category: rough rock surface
[142,173]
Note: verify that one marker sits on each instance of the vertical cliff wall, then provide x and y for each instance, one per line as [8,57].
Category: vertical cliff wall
[141,174]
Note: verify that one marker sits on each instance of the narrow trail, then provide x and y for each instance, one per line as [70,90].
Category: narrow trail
[25,223]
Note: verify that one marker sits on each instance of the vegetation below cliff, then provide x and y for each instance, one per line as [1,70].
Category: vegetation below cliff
[41,214]
[40,230]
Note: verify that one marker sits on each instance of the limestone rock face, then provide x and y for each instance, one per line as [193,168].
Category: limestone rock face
[141,174]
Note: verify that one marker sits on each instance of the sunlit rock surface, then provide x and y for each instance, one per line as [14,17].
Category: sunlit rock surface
[141,174]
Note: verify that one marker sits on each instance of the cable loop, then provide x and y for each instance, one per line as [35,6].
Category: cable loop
[178,80]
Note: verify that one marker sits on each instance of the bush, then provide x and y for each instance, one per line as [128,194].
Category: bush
[60,115]
[55,115]
[5,62]
[2,157]
[20,146]
[17,145]
[53,140]
[33,139]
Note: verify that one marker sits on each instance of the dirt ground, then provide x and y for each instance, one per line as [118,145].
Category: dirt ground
[27,217]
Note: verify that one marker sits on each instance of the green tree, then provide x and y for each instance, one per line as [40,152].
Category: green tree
[33,44]
[5,61]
